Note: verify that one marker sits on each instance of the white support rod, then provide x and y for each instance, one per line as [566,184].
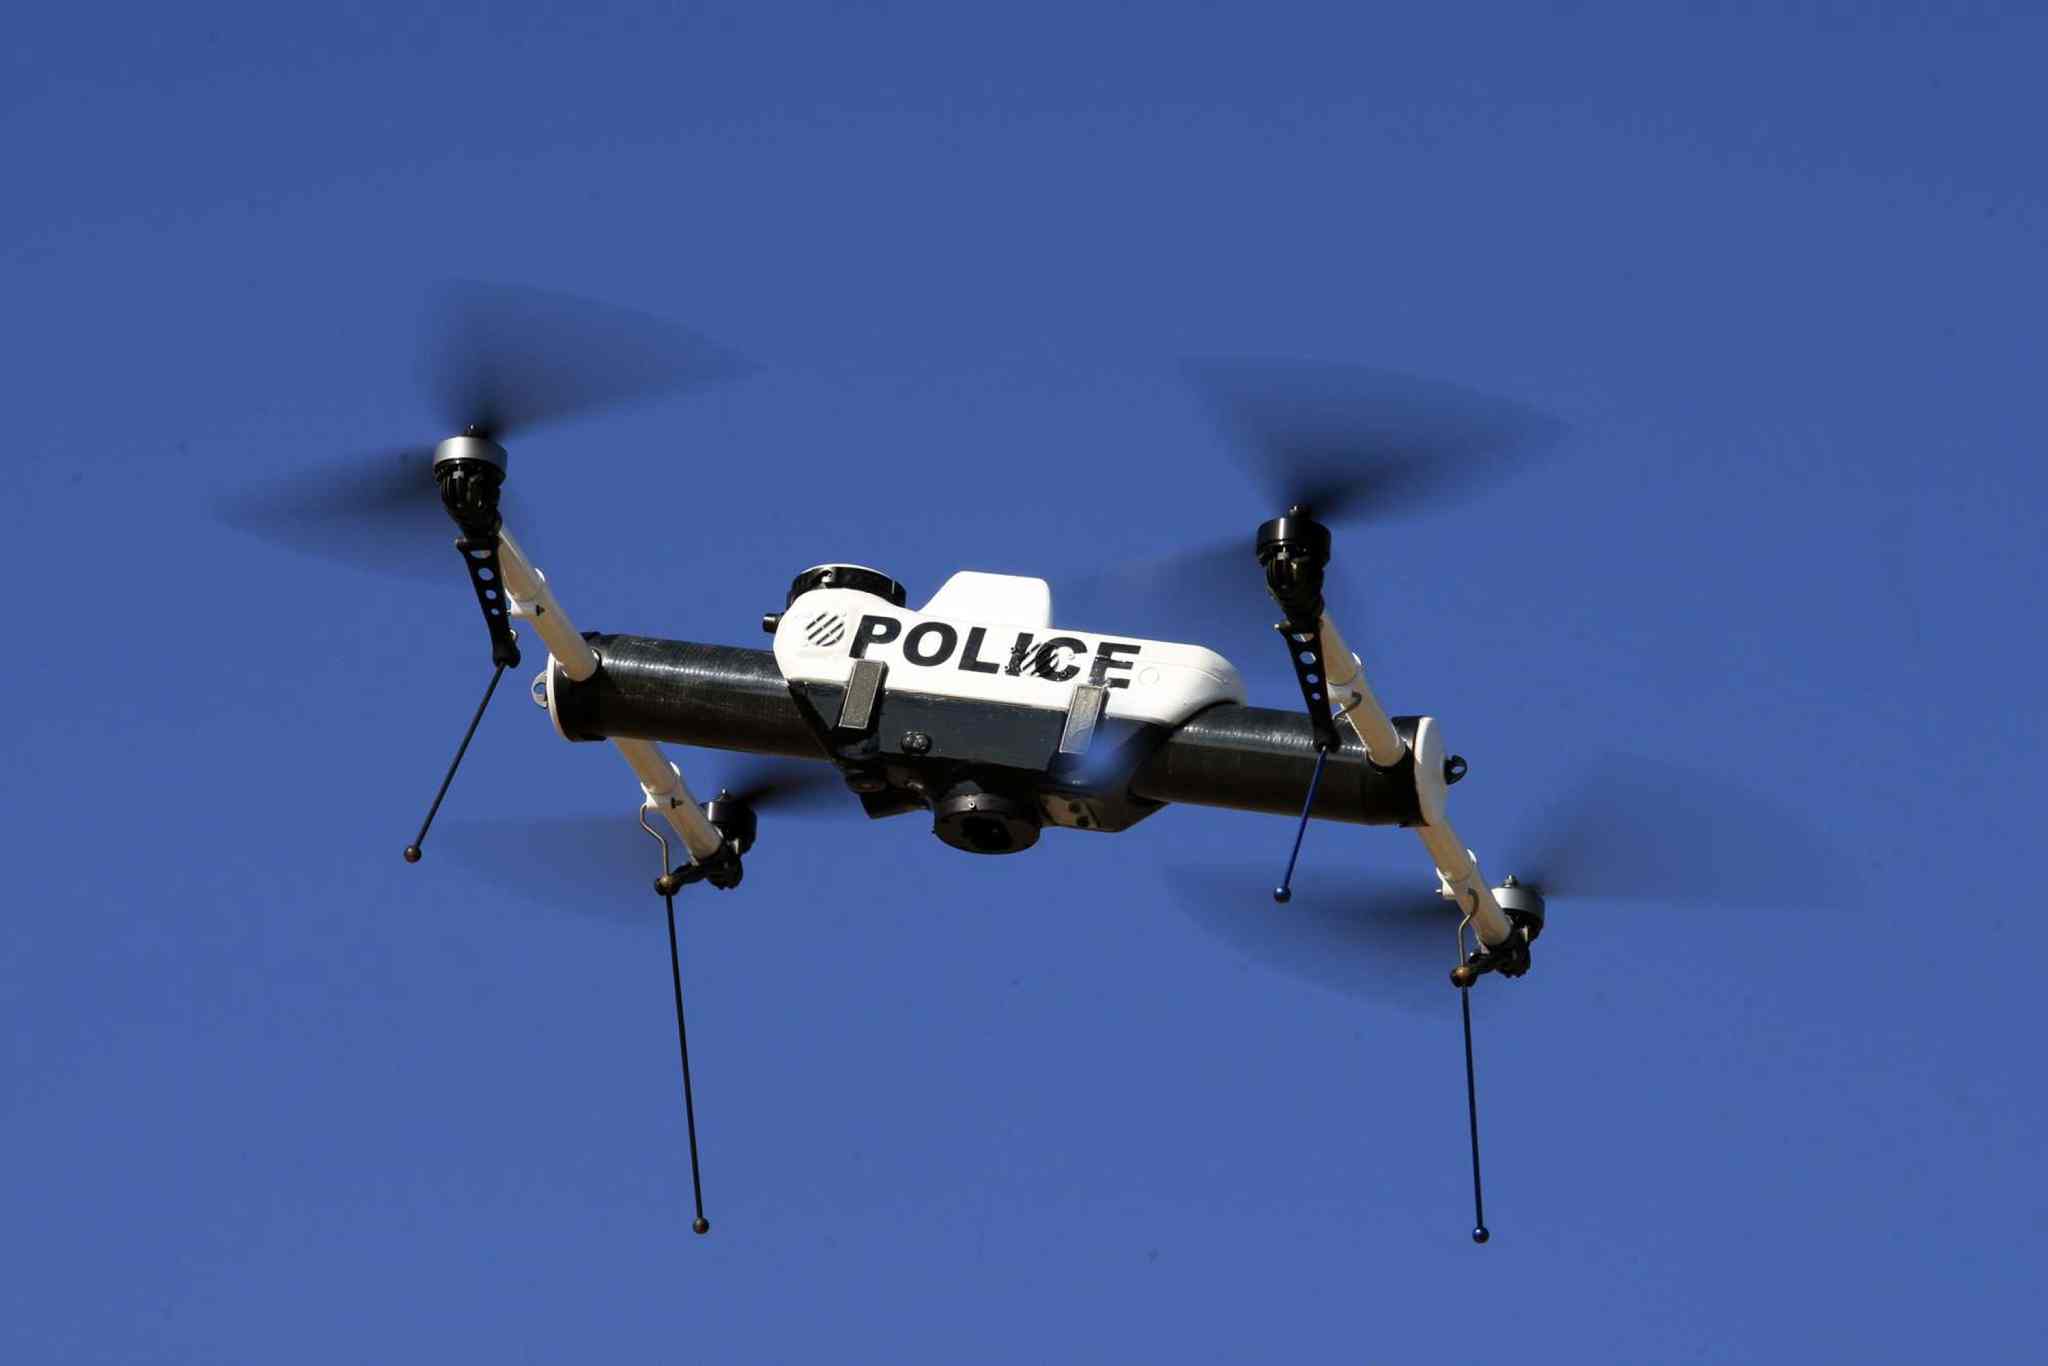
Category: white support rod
[533,601]
[1460,872]
[661,782]
[1352,697]
[670,795]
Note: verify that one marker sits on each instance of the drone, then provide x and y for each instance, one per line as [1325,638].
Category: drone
[975,708]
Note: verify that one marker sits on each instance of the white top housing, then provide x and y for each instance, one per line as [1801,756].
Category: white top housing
[988,638]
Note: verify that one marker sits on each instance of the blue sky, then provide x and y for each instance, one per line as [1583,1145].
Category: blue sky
[270,1094]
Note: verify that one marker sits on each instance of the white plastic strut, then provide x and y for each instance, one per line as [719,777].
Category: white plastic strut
[1456,867]
[661,782]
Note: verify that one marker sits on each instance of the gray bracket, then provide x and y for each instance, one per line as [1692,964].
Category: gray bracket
[1305,653]
[857,710]
[1084,713]
[487,577]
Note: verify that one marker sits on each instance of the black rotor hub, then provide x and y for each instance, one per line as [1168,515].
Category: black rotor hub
[1294,549]
[470,470]
[734,819]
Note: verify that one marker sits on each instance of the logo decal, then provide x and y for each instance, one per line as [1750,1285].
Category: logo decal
[930,644]
[825,629]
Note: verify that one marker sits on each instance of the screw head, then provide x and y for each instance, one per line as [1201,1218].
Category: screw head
[916,742]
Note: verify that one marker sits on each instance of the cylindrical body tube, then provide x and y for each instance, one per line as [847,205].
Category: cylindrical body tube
[714,696]
[1259,759]
[725,697]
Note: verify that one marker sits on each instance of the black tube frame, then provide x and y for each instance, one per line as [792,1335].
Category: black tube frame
[728,697]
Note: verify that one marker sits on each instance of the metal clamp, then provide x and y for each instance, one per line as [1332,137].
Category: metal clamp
[487,577]
[1305,653]
[1084,714]
[863,690]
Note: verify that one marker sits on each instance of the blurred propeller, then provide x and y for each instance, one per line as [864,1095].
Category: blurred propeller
[606,861]
[380,512]
[506,358]
[1358,444]
[1651,833]
[785,785]
[502,359]
[1660,833]
[1375,934]
[1353,444]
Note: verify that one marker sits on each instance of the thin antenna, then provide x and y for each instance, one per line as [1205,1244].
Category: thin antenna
[1285,891]
[412,851]
[700,1224]
[1479,1233]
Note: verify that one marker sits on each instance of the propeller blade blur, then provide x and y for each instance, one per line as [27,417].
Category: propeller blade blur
[501,359]
[1657,832]
[507,358]
[606,860]
[381,512]
[788,785]
[598,865]
[1381,935]
[1355,443]
[1649,835]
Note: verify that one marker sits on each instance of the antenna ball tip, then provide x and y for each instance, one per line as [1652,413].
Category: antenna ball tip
[412,853]
[1282,895]
[1480,1235]
[700,1225]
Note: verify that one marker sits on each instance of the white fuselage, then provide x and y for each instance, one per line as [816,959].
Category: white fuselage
[990,638]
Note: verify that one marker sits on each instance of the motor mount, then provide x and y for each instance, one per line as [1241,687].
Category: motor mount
[1294,549]
[1523,906]
[470,470]
[735,820]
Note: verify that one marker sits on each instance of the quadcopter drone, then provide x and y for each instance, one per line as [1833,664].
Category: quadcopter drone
[975,707]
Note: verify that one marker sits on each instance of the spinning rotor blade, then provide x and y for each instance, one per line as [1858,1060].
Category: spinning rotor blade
[1354,443]
[506,358]
[1650,833]
[770,785]
[1384,936]
[498,358]
[379,512]
[598,865]
[1662,833]
[606,861]
[1214,595]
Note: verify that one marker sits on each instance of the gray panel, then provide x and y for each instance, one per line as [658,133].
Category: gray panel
[1083,713]
[861,690]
